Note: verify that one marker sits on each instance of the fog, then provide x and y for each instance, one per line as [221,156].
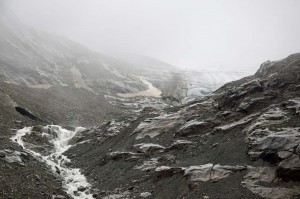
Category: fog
[212,34]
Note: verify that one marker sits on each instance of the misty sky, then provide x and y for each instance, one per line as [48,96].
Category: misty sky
[197,34]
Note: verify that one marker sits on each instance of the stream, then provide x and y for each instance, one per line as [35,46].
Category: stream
[74,182]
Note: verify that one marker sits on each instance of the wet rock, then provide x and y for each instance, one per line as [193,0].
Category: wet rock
[212,172]
[297,150]
[168,157]
[294,88]
[274,115]
[179,144]
[203,105]
[201,173]
[149,147]
[265,69]
[294,105]
[120,155]
[95,191]
[145,194]
[118,194]
[289,169]
[147,165]
[165,171]
[59,197]
[284,154]
[57,170]
[76,193]
[13,156]
[248,104]
[268,143]
[260,180]
[223,114]
[241,122]
[193,127]
[2,154]
[81,188]
[158,125]
[251,86]
[215,145]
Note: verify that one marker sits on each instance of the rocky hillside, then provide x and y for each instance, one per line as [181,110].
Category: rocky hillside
[41,60]
[240,142]
[78,124]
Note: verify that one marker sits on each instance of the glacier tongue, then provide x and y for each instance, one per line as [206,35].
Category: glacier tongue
[59,138]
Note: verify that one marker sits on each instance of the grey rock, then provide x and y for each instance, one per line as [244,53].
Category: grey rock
[59,197]
[193,127]
[289,169]
[284,154]
[81,188]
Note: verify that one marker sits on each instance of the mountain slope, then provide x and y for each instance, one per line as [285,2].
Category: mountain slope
[241,142]
[38,59]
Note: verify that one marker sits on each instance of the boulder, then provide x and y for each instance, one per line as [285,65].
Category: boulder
[289,169]
[193,127]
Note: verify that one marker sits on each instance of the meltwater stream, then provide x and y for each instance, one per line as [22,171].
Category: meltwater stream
[58,138]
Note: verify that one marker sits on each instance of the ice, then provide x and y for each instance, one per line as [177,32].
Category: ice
[201,83]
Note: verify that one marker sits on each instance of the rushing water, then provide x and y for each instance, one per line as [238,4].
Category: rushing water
[59,138]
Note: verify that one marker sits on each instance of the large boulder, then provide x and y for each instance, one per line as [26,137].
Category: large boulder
[289,169]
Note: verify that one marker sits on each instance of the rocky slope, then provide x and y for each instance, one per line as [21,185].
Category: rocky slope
[36,59]
[240,142]
[43,60]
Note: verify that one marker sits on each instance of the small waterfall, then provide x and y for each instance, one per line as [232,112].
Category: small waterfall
[58,138]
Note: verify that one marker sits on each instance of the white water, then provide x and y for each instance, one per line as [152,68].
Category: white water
[59,137]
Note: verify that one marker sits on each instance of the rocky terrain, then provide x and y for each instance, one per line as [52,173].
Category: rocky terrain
[78,124]
[242,141]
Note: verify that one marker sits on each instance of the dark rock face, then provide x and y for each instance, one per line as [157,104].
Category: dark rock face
[24,112]
[289,168]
